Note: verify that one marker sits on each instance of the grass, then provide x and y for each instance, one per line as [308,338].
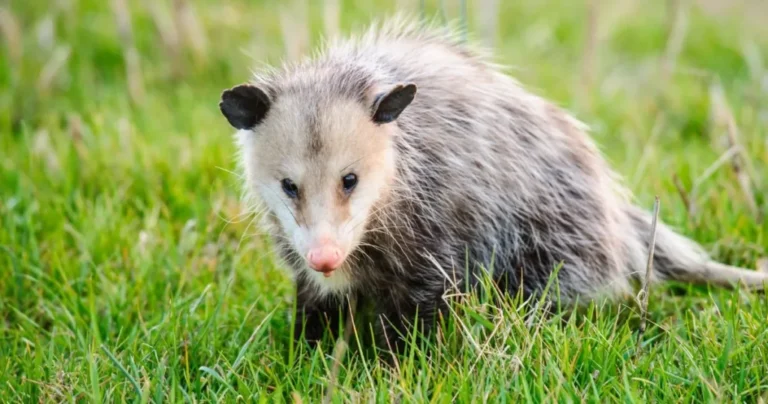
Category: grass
[129,271]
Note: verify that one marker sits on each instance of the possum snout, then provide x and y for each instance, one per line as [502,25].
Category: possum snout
[325,258]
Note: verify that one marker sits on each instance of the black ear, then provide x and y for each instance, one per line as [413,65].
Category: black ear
[389,105]
[244,106]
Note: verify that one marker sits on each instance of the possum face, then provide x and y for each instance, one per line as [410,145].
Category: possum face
[321,166]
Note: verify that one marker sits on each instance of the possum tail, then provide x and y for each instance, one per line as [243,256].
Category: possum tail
[678,258]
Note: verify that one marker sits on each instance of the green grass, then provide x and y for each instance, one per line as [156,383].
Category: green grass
[129,269]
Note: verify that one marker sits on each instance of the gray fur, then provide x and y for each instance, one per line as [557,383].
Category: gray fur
[484,167]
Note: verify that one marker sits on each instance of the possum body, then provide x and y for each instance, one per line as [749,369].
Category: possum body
[396,164]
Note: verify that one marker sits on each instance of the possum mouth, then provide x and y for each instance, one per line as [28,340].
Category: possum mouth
[327,273]
[335,281]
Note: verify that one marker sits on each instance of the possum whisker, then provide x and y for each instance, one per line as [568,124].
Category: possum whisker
[240,242]
[239,176]
[285,205]
[373,246]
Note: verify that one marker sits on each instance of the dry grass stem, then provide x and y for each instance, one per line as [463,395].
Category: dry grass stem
[169,34]
[43,148]
[678,28]
[9,28]
[53,67]
[724,117]
[135,81]
[331,15]
[488,21]
[130,54]
[689,198]
[658,126]
[340,349]
[589,56]
[76,132]
[645,291]
[294,26]
[688,201]
[726,157]
[190,28]
[45,33]
[389,346]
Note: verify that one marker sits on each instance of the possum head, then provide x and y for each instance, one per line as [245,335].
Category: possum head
[321,164]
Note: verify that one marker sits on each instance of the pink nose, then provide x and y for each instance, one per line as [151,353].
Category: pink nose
[325,258]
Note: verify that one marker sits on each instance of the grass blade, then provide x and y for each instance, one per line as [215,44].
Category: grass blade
[123,370]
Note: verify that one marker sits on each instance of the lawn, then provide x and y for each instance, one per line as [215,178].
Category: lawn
[130,270]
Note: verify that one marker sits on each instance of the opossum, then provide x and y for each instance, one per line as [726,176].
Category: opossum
[401,162]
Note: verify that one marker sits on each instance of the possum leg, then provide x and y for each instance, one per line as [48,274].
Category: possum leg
[397,320]
[317,315]
[678,258]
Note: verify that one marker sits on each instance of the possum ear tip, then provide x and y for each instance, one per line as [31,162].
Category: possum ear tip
[244,106]
[390,104]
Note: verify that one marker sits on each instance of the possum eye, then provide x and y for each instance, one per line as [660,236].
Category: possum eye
[348,182]
[290,188]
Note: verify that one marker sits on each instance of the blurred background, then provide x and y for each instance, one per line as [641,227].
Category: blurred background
[63,58]
[119,196]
